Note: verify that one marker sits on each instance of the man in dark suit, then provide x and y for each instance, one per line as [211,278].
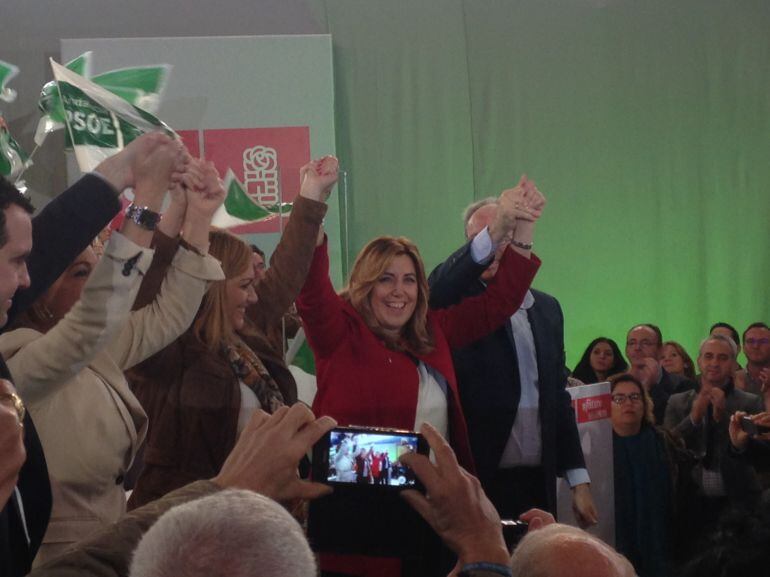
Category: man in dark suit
[33,254]
[644,345]
[512,383]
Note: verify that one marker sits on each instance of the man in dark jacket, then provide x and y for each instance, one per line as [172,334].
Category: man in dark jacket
[512,382]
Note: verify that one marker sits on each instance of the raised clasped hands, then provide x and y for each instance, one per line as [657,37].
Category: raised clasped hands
[205,191]
[522,202]
[153,159]
[518,208]
[318,177]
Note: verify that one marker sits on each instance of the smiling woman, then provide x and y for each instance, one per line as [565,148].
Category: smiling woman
[383,359]
[202,389]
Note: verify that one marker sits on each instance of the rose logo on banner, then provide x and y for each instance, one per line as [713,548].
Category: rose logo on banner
[260,174]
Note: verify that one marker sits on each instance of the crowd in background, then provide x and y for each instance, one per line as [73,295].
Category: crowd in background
[162,360]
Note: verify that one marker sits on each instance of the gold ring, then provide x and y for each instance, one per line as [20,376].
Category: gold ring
[17,403]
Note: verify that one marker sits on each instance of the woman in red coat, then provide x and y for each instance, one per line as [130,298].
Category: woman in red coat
[383,359]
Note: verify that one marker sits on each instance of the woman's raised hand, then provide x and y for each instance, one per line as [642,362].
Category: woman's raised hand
[210,193]
[318,177]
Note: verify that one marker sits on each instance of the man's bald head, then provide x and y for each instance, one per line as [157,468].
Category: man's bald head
[563,551]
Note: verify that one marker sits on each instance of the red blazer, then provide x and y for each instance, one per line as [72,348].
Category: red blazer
[362,382]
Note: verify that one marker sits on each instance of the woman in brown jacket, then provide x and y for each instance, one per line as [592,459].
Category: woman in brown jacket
[200,391]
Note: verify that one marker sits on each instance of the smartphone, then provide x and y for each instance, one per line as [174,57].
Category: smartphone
[752,428]
[513,531]
[367,458]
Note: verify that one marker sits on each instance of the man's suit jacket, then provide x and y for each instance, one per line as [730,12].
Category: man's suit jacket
[668,385]
[488,377]
[710,441]
[62,230]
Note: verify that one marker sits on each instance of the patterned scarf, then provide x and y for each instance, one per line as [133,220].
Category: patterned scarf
[252,372]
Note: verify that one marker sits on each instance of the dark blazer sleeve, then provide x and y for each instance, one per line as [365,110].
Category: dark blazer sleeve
[16,554]
[61,231]
[449,282]
[569,453]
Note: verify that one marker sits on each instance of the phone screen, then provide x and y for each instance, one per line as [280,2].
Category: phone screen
[370,457]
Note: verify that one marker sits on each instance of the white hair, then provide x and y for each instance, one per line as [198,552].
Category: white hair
[471,209]
[232,533]
[559,550]
[722,339]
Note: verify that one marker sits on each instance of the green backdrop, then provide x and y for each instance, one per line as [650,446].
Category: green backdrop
[646,124]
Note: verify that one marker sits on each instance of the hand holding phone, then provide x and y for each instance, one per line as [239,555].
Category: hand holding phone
[367,459]
[752,427]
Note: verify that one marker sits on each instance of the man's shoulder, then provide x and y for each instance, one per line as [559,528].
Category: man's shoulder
[746,399]
[545,302]
[543,297]
[681,400]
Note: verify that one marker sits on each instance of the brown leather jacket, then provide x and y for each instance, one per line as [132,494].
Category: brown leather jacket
[190,393]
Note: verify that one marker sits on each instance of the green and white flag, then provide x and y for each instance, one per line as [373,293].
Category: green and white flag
[99,122]
[13,160]
[50,103]
[7,72]
[141,86]
[239,208]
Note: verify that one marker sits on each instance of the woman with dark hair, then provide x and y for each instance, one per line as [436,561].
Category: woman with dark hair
[383,358]
[601,359]
[647,463]
[676,361]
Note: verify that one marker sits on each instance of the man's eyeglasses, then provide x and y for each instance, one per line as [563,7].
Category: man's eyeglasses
[757,342]
[620,398]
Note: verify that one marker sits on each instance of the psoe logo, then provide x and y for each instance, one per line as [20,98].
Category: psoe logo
[261,174]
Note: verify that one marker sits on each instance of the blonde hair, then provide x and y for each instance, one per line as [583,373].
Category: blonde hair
[370,264]
[212,324]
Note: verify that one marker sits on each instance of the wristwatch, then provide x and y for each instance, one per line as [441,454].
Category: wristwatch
[143,216]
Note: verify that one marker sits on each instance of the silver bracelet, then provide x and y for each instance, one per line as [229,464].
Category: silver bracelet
[521,245]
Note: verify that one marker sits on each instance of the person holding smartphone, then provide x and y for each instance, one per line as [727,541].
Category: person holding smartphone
[750,436]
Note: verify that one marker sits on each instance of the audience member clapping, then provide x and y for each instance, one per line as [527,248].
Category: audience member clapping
[643,349]
[701,417]
[601,359]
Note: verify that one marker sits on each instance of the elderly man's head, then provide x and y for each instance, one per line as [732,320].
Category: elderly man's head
[232,533]
[716,359]
[562,551]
